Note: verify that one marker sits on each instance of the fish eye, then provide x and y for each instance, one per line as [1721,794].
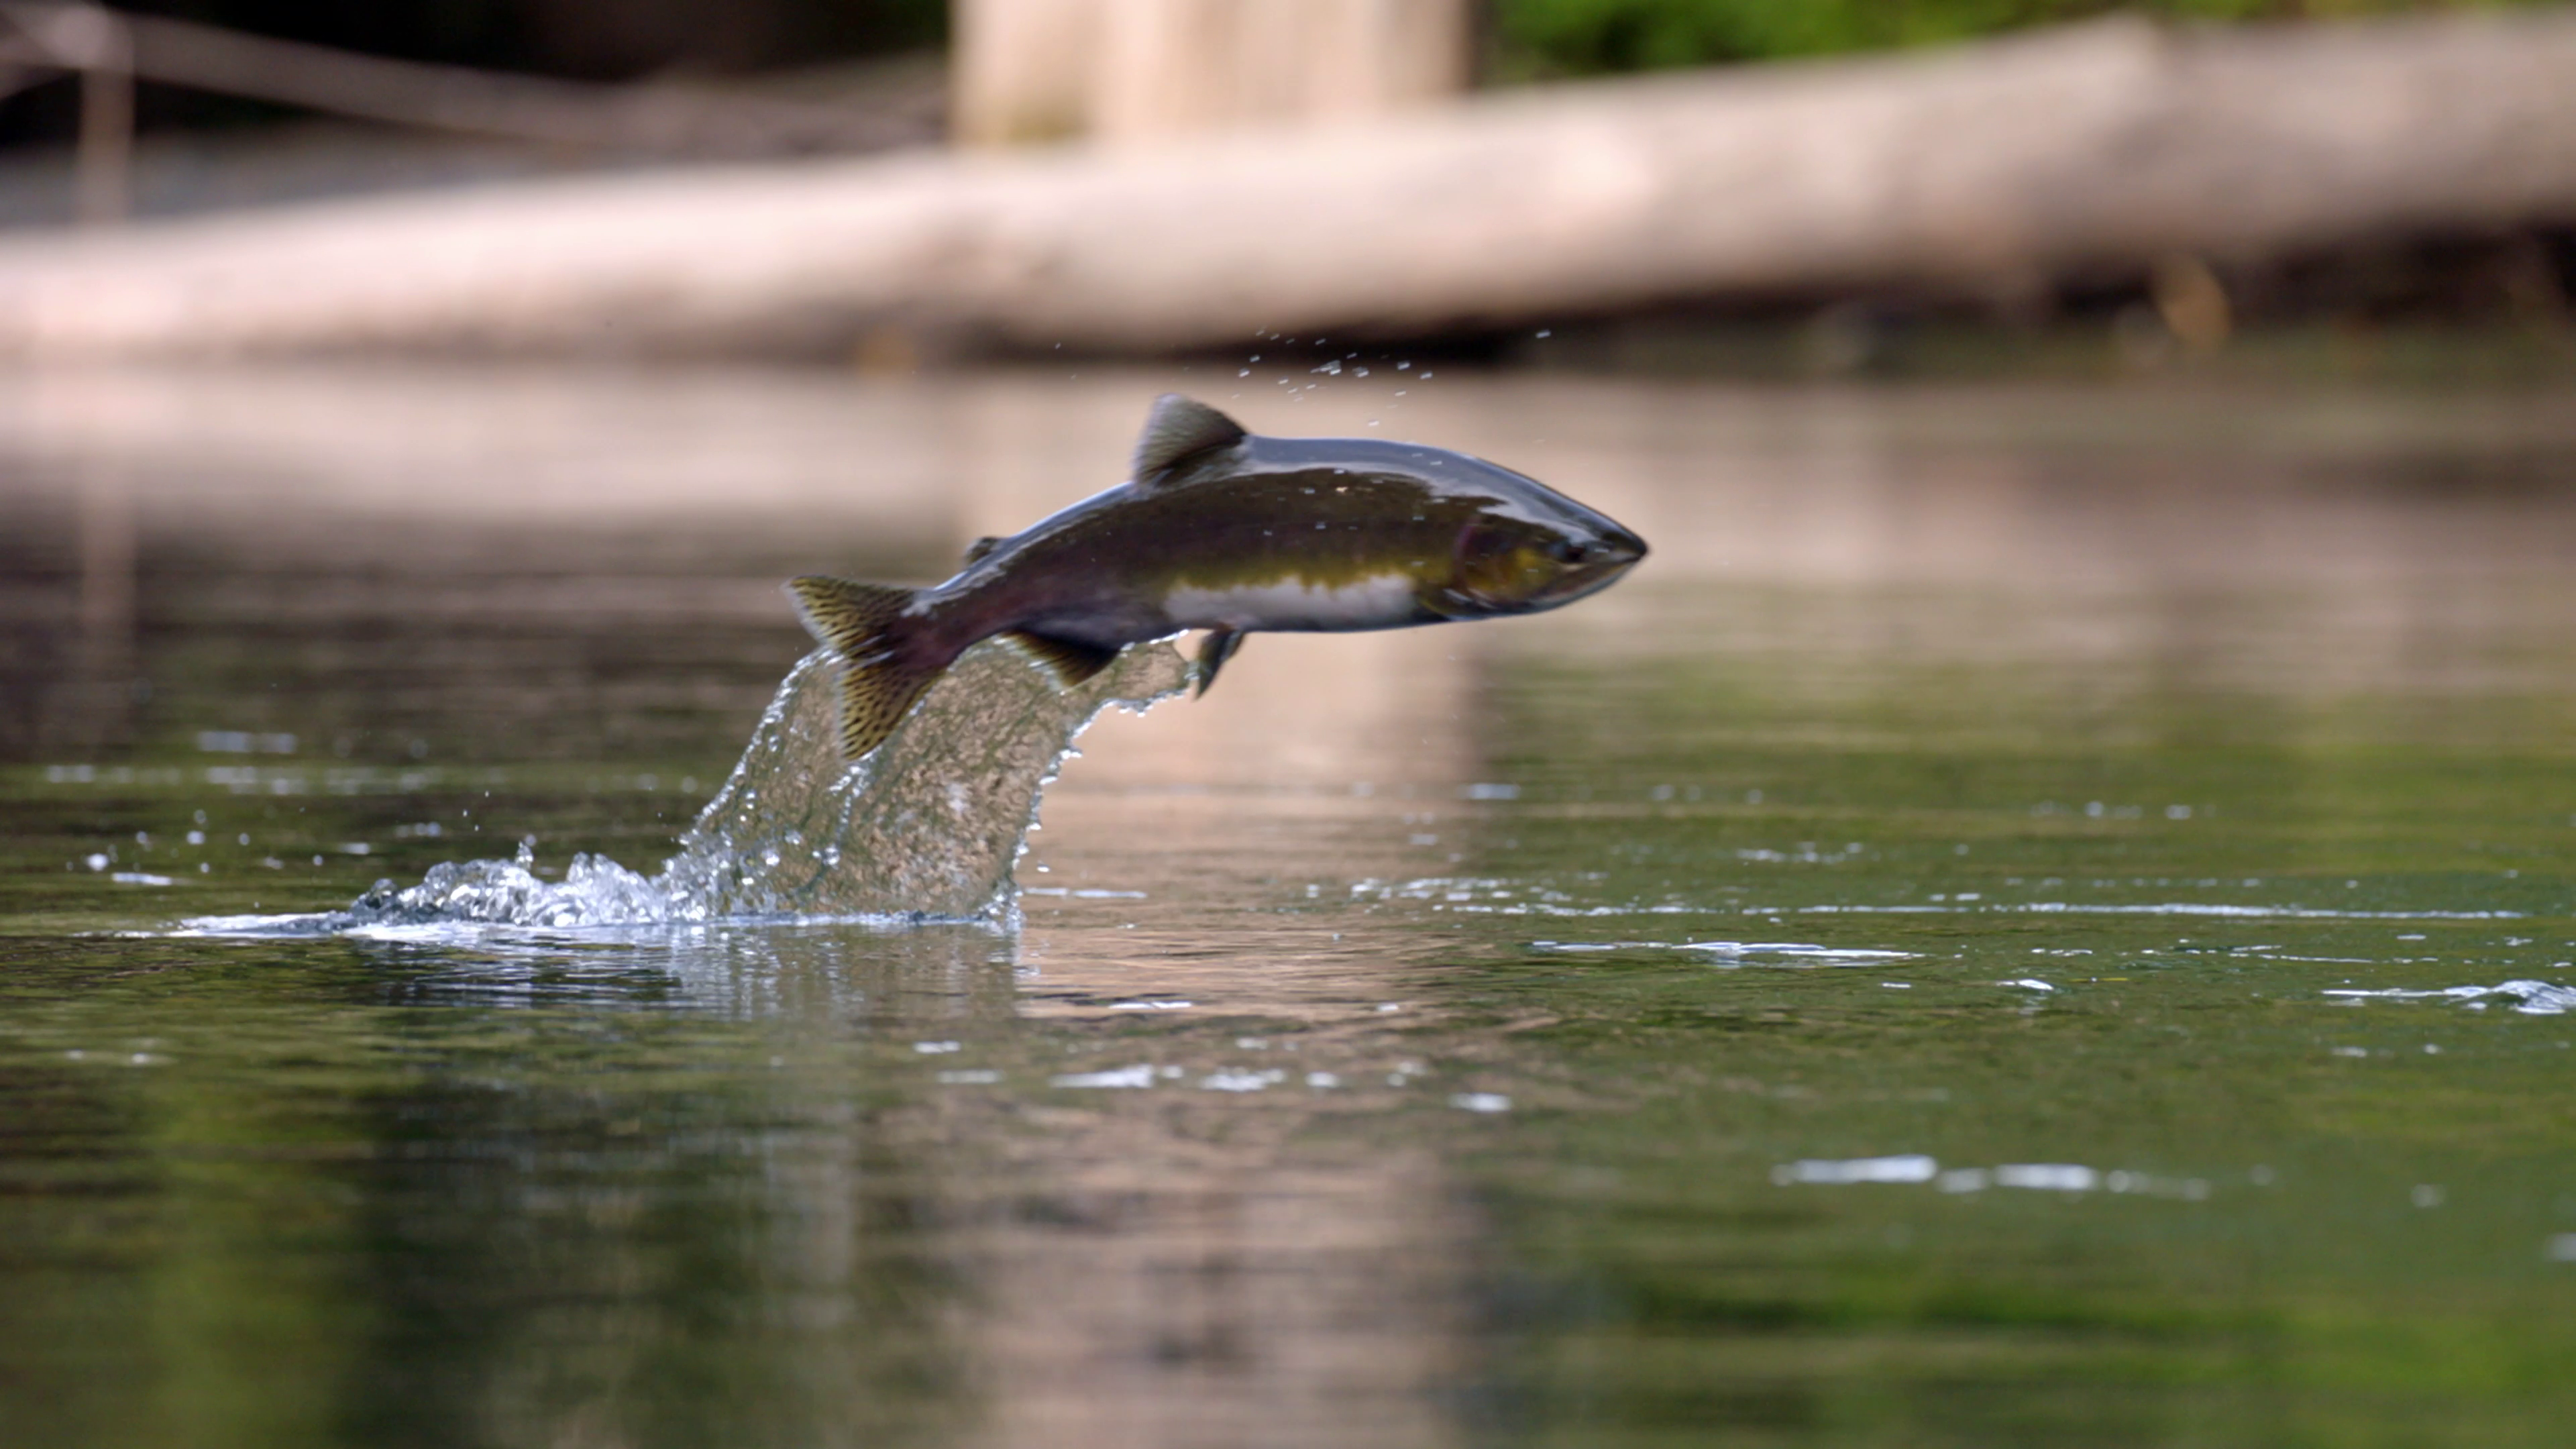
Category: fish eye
[1566,551]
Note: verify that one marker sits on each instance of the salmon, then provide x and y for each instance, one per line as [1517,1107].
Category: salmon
[1221,530]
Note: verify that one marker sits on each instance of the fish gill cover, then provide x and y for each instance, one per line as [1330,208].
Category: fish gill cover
[926,828]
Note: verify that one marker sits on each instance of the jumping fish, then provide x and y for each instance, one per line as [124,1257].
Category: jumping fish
[1224,531]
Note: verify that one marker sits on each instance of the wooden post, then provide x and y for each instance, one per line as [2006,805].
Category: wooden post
[1019,69]
[1140,71]
[95,42]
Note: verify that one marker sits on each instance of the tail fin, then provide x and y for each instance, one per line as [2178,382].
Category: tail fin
[878,682]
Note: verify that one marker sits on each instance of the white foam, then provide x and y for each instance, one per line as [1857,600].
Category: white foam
[2177,908]
[1139,1075]
[1794,949]
[1909,1167]
[2048,1176]
[1731,951]
[2531,998]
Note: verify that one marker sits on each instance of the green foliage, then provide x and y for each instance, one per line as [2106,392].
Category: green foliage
[1577,37]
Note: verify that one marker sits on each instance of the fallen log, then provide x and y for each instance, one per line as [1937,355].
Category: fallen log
[2108,144]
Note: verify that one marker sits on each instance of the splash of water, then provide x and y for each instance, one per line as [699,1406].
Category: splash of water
[927,828]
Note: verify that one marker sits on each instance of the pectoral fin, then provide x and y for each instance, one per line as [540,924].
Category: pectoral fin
[1072,661]
[1214,650]
[864,623]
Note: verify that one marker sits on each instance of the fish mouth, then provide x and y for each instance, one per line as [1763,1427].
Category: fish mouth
[1601,561]
[1573,586]
[1617,550]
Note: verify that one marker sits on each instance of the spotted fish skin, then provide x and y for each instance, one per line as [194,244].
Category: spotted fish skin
[1235,533]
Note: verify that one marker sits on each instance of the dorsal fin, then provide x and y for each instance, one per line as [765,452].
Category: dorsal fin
[1178,430]
[981,547]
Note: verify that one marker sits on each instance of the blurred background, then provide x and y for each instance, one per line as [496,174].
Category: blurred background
[255,247]
[2102,692]
[2360,186]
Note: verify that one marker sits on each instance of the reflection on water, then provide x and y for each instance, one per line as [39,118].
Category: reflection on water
[2035,917]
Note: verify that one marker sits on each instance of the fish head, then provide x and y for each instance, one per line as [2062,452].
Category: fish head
[1525,547]
[1507,565]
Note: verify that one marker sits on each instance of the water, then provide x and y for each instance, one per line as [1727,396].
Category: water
[925,830]
[2035,917]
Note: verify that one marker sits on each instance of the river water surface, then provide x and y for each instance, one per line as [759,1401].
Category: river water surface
[2036,916]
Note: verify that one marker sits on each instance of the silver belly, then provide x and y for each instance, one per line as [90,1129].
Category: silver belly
[1382,601]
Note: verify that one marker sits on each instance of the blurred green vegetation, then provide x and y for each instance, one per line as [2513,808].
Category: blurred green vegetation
[1540,38]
